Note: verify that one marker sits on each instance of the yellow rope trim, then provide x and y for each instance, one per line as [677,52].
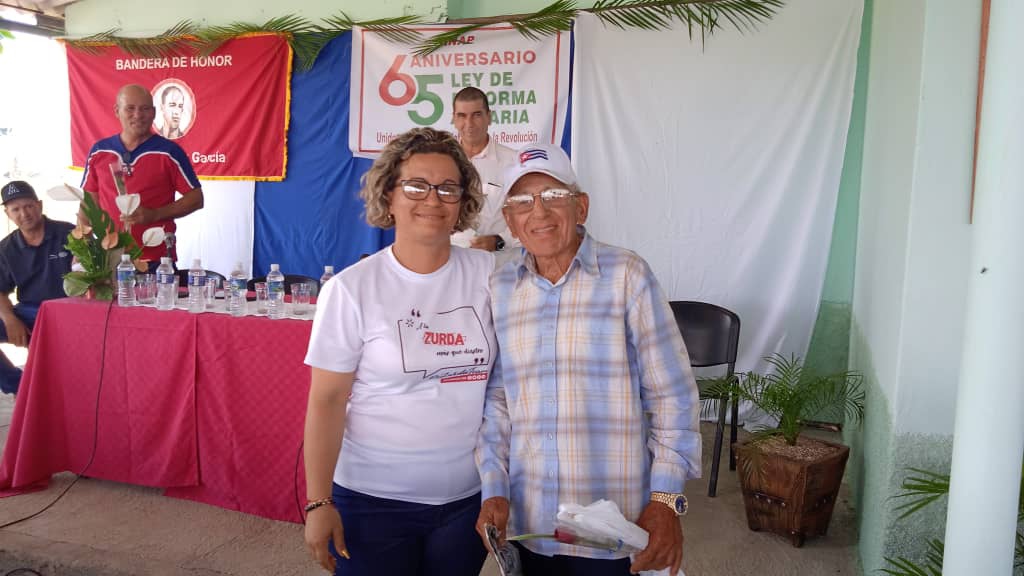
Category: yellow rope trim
[287,110]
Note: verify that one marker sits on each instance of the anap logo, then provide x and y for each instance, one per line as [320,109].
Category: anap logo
[532,154]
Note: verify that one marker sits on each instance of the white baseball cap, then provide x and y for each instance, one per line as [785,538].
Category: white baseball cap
[543,158]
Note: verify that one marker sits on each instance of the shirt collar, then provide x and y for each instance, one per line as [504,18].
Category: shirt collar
[585,258]
[487,151]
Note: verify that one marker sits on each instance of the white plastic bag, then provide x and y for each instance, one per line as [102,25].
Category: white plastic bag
[602,524]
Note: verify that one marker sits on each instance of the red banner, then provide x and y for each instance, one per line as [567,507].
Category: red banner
[228,110]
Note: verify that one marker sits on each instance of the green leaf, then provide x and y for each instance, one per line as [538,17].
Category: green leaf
[921,490]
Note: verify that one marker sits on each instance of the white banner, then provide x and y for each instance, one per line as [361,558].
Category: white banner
[393,90]
[721,166]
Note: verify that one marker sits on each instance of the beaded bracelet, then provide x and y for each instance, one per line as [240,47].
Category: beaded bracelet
[314,504]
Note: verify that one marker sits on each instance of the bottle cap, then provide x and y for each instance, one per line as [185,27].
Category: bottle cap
[329,269]
[275,267]
[197,263]
[125,258]
[165,259]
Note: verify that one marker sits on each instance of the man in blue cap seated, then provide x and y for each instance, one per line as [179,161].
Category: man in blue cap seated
[33,260]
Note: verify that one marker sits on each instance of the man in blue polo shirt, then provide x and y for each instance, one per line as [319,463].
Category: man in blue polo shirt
[33,260]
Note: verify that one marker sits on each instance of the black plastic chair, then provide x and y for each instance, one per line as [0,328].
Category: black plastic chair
[712,335]
[183,278]
[289,279]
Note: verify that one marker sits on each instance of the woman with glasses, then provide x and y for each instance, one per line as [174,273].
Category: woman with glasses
[401,349]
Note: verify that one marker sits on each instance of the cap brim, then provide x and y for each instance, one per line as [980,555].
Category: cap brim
[508,187]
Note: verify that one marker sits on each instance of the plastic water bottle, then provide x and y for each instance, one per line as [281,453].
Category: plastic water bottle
[126,281]
[166,285]
[328,274]
[275,293]
[196,287]
[236,290]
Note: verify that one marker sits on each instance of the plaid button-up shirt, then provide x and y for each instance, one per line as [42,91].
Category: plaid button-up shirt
[592,395]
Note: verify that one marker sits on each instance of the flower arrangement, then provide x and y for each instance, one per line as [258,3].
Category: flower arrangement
[97,248]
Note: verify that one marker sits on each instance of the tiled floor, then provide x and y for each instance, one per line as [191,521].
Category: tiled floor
[110,529]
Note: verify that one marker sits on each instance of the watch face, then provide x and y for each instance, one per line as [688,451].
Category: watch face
[681,505]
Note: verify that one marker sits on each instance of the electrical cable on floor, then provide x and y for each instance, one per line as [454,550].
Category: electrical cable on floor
[95,432]
[298,502]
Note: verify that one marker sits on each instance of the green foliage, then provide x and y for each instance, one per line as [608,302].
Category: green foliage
[308,39]
[932,565]
[5,35]
[87,247]
[922,489]
[793,396]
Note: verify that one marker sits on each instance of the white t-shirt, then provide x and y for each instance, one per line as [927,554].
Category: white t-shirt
[422,347]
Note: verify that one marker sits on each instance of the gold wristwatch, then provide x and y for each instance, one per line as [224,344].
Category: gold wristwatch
[677,502]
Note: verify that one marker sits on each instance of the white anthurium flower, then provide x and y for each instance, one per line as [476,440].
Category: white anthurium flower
[127,203]
[66,192]
[153,236]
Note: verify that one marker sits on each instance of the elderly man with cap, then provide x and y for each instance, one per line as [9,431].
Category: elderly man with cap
[33,260]
[592,396]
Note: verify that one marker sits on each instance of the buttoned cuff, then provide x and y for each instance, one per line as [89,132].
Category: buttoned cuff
[667,478]
[494,484]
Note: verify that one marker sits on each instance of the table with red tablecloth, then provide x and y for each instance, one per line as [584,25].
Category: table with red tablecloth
[208,406]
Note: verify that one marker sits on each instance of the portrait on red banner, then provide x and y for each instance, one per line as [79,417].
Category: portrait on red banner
[227,110]
[176,108]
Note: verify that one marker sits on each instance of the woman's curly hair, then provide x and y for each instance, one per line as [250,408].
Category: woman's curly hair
[381,179]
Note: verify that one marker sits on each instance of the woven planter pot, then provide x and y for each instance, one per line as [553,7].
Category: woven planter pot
[789,496]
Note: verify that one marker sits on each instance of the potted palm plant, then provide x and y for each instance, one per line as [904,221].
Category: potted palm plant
[789,481]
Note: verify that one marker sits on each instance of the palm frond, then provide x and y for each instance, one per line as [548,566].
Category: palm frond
[164,44]
[705,15]
[921,490]
[95,43]
[1018,553]
[395,29]
[932,565]
[438,41]
[554,18]
[209,39]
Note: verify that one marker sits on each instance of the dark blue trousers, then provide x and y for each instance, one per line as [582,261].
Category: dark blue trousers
[540,565]
[395,538]
[10,375]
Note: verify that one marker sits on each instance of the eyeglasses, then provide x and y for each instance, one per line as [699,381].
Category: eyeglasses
[551,198]
[419,189]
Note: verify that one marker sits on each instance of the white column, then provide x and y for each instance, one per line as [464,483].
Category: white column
[989,436]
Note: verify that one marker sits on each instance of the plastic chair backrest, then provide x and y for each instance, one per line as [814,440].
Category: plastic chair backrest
[183,277]
[711,333]
[289,279]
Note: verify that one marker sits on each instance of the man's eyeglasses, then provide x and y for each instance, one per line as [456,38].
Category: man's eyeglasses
[418,189]
[552,198]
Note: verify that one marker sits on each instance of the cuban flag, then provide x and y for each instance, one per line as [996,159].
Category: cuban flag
[532,154]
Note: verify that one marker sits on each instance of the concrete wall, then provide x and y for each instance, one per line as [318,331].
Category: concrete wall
[147,18]
[912,253]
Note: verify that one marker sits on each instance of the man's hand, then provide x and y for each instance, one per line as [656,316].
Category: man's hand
[493,511]
[141,216]
[489,243]
[665,547]
[17,332]
[323,525]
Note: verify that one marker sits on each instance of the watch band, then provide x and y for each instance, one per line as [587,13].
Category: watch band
[676,502]
[499,244]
